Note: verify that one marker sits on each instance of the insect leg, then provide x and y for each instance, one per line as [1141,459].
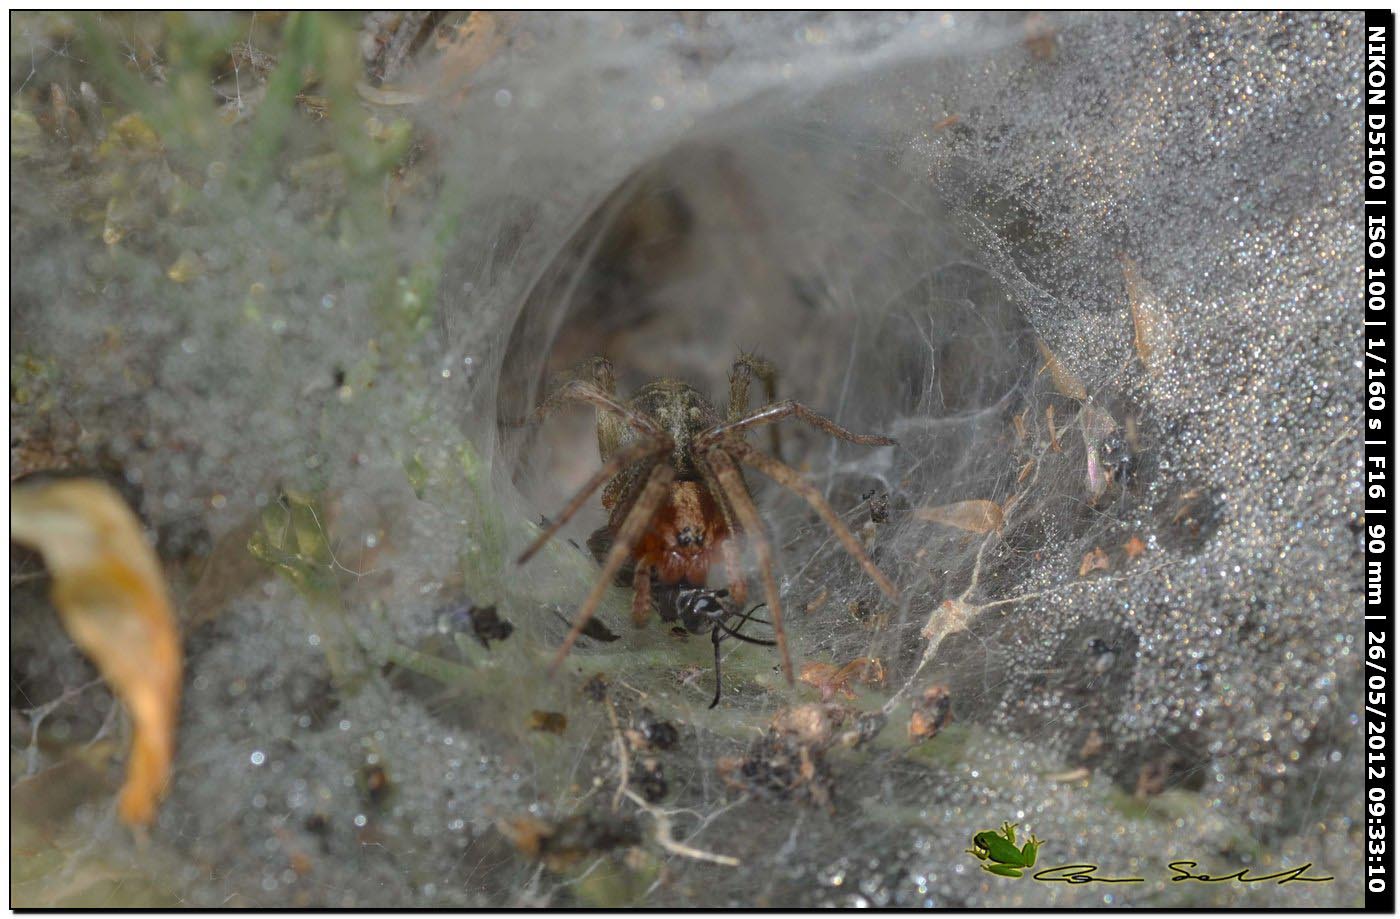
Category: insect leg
[636,521]
[789,478]
[733,486]
[643,448]
[714,637]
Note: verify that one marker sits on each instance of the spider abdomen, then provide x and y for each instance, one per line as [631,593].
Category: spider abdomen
[685,536]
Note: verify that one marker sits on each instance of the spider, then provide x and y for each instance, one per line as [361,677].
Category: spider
[676,497]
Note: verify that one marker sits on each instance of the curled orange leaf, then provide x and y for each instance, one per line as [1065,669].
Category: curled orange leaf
[112,599]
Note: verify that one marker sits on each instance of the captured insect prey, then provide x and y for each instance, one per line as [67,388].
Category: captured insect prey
[698,608]
[678,503]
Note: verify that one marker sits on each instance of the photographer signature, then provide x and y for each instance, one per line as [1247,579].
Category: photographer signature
[1182,871]
[1000,855]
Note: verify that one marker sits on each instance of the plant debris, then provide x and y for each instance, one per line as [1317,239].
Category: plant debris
[648,778]
[112,599]
[830,679]
[1095,560]
[780,767]
[1065,382]
[813,724]
[867,727]
[549,722]
[933,711]
[488,627]
[596,687]
[652,733]
[565,842]
[978,516]
[1152,333]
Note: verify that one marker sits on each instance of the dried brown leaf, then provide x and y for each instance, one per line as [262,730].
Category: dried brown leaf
[830,679]
[1019,424]
[1134,547]
[112,599]
[980,516]
[1152,333]
[468,48]
[1065,382]
[1096,560]
[812,723]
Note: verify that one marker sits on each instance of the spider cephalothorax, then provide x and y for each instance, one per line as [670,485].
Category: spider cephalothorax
[675,496]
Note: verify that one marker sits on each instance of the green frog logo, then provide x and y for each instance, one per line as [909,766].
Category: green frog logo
[999,849]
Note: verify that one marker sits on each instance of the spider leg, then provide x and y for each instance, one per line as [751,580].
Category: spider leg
[643,448]
[738,589]
[790,409]
[591,393]
[789,478]
[728,548]
[745,368]
[641,595]
[733,485]
[637,520]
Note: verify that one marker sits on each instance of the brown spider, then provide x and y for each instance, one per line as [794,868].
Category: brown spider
[675,496]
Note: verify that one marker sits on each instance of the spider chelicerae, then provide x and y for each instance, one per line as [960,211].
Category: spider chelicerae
[676,499]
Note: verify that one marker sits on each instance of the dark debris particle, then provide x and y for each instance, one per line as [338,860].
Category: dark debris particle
[596,687]
[489,627]
[879,506]
[374,784]
[866,728]
[480,621]
[658,734]
[594,628]
[648,778]
[549,722]
[562,843]
[777,767]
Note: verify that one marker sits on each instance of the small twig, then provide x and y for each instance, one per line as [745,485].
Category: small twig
[624,763]
[633,688]
[667,842]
